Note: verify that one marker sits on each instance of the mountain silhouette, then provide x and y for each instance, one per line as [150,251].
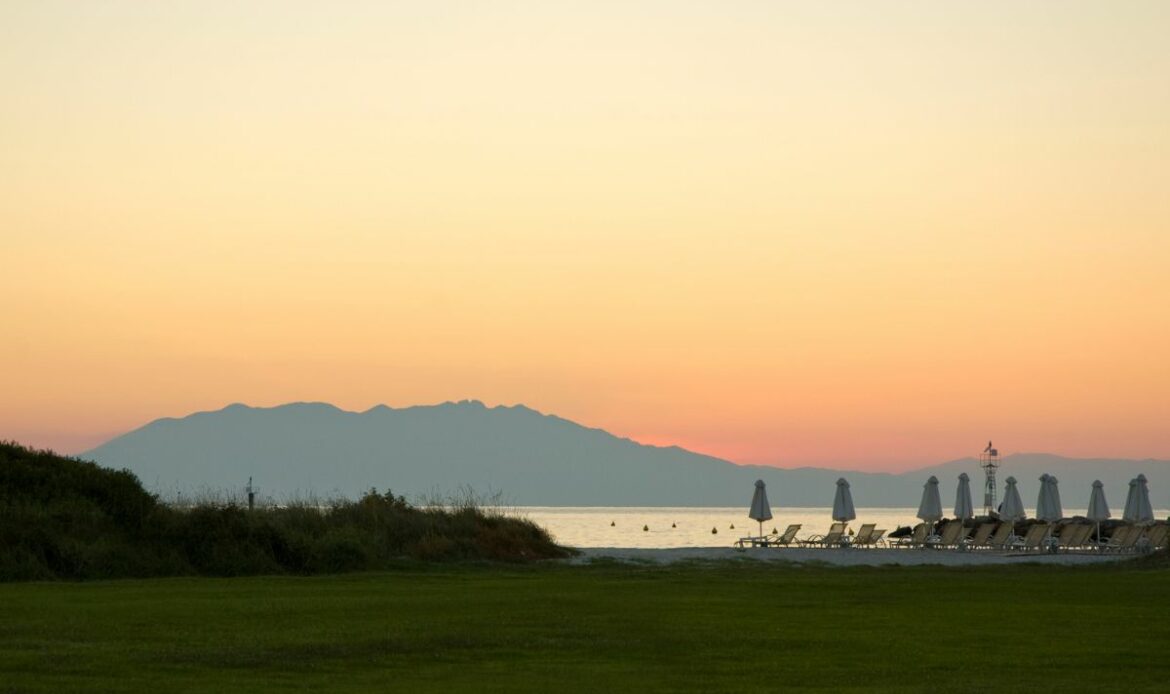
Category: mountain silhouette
[529,458]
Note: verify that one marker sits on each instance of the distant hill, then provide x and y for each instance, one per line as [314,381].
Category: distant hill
[304,449]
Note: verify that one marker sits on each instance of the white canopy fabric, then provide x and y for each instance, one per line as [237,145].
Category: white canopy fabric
[843,503]
[1041,498]
[1048,506]
[1137,503]
[1098,507]
[930,508]
[1054,497]
[1012,508]
[760,510]
[964,509]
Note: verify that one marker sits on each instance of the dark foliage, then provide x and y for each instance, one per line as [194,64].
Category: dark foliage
[71,519]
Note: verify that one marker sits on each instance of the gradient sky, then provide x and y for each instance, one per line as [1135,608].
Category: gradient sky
[861,234]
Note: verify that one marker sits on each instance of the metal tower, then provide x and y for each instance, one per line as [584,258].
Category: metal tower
[989,461]
[251,494]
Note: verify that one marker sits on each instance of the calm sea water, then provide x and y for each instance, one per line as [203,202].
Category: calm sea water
[608,526]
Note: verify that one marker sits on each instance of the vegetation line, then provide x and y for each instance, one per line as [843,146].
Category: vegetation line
[62,518]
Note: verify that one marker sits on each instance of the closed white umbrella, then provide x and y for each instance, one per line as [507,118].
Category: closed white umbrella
[1137,503]
[1012,509]
[930,508]
[1098,507]
[1041,499]
[843,503]
[1048,508]
[760,510]
[1054,504]
[964,509]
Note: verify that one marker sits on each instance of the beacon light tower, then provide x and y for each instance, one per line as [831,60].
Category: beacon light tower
[989,461]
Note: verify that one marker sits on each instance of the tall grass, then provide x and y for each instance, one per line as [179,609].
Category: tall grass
[62,518]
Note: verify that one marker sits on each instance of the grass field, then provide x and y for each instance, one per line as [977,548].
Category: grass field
[714,627]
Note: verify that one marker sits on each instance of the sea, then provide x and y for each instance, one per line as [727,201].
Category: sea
[664,527]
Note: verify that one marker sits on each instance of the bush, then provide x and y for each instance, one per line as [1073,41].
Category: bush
[433,547]
[71,519]
[340,550]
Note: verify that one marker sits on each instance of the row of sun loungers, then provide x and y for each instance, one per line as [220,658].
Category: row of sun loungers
[869,535]
[784,539]
[991,535]
[1039,536]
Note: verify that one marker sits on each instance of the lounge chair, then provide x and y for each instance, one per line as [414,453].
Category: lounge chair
[833,538]
[917,538]
[981,536]
[964,533]
[1154,538]
[951,535]
[1074,536]
[1066,535]
[1034,539]
[787,537]
[861,539]
[877,538]
[935,539]
[1158,536]
[771,540]
[752,540]
[1123,538]
[1115,539]
[1087,538]
[1004,536]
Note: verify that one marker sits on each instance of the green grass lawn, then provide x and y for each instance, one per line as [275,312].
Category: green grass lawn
[713,627]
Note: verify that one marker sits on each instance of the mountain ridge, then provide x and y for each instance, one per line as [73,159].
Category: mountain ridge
[530,457]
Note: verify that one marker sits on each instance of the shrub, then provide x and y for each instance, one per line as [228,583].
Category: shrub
[66,518]
[432,547]
[341,550]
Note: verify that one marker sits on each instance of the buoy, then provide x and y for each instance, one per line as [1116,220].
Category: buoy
[673,525]
[733,526]
[774,532]
[611,524]
[645,528]
[714,531]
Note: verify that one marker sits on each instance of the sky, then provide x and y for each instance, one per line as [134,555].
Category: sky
[867,235]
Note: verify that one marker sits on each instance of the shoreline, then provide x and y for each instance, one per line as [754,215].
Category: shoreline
[834,557]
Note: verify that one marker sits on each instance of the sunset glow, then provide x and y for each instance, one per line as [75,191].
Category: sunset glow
[756,230]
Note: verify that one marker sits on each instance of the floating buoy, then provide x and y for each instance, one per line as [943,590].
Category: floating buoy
[645,528]
[714,531]
[774,532]
[673,525]
[611,524]
[733,526]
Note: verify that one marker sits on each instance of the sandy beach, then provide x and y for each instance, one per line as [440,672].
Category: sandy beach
[836,557]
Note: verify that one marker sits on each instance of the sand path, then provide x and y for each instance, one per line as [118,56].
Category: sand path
[838,557]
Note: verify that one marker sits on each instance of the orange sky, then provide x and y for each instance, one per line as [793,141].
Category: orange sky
[831,235]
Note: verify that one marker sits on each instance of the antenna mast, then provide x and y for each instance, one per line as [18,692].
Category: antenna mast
[989,461]
[251,495]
